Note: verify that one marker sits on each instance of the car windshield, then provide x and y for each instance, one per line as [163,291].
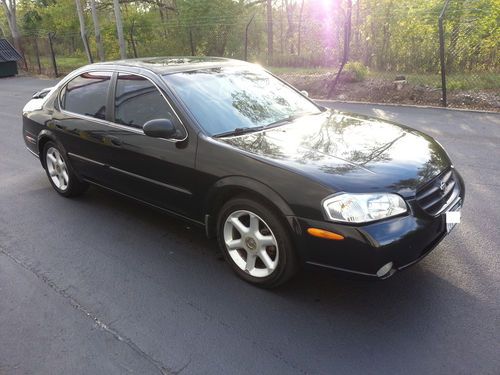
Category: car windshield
[227,99]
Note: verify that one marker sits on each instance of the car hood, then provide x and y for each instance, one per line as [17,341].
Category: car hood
[349,152]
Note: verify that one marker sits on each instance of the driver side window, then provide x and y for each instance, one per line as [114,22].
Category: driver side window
[137,101]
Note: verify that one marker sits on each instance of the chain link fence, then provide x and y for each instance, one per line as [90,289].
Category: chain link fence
[396,63]
[470,60]
[404,67]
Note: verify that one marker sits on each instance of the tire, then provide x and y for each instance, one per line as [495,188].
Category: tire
[247,231]
[59,171]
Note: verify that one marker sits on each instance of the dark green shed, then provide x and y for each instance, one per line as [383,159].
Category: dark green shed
[8,59]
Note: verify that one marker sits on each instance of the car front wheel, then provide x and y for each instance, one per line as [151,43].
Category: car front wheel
[256,243]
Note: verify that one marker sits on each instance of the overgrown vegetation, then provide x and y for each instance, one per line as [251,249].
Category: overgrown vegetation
[357,70]
[386,34]
[387,37]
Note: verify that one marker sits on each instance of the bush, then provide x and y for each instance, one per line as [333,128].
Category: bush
[357,69]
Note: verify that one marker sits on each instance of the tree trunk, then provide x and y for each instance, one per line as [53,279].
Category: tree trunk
[369,43]
[270,32]
[282,49]
[290,9]
[132,40]
[347,41]
[10,11]
[191,42]
[119,29]
[161,10]
[37,54]
[246,37]
[383,61]
[97,29]
[83,31]
[221,47]
[300,27]
[356,32]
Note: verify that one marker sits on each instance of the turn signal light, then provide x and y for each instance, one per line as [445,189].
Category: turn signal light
[321,233]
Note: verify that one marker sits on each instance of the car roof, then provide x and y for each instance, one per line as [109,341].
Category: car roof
[174,64]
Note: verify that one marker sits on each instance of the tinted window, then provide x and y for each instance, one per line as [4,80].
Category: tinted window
[87,94]
[226,98]
[138,101]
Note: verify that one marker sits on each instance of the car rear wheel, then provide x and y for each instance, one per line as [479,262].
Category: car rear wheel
[59,172]
[256,243]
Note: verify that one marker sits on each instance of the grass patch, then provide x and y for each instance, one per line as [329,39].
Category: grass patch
[64,64]
[299,71]
[455,81]
[70,63]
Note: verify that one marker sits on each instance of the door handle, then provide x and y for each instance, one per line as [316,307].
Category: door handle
[58,124]
[114,140]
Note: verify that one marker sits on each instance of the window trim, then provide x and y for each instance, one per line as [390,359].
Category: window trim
[110,98]
[63,88]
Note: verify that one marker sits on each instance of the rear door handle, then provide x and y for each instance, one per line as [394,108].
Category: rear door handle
[114,140]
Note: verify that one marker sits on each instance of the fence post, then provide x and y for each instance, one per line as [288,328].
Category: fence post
[90,52]
[37,54]
[246,37]
[52,54]
[191,41]
[21,51]
[441,54]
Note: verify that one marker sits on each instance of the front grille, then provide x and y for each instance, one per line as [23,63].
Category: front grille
[437,194]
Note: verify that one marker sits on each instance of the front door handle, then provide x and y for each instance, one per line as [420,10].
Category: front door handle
[58,124]
[114,140]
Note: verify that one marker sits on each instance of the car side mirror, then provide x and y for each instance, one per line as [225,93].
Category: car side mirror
[42,93]
[305,93]
[160,128]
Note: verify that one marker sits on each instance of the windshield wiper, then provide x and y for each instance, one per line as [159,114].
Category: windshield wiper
[280,122]
[239,131]
[290,118]
[250,129]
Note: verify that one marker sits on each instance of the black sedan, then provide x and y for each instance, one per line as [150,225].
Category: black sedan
[278,179]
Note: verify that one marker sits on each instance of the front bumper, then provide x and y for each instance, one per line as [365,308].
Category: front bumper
[366,248]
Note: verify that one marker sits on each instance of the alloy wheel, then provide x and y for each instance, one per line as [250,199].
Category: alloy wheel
[251,243]
[56,166]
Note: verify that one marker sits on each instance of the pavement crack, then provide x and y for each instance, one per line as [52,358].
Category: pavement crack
[89,314]
[177,372]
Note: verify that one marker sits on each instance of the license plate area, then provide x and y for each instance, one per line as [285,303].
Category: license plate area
[453,216]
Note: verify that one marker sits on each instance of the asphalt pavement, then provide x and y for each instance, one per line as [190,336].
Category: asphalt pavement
[103,285]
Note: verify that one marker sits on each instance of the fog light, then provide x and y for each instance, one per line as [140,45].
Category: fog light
[384,270]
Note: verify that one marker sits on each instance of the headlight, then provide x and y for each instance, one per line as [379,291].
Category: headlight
[362,208]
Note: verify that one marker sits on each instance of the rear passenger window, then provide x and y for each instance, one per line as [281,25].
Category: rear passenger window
[87,94]
[137,101]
